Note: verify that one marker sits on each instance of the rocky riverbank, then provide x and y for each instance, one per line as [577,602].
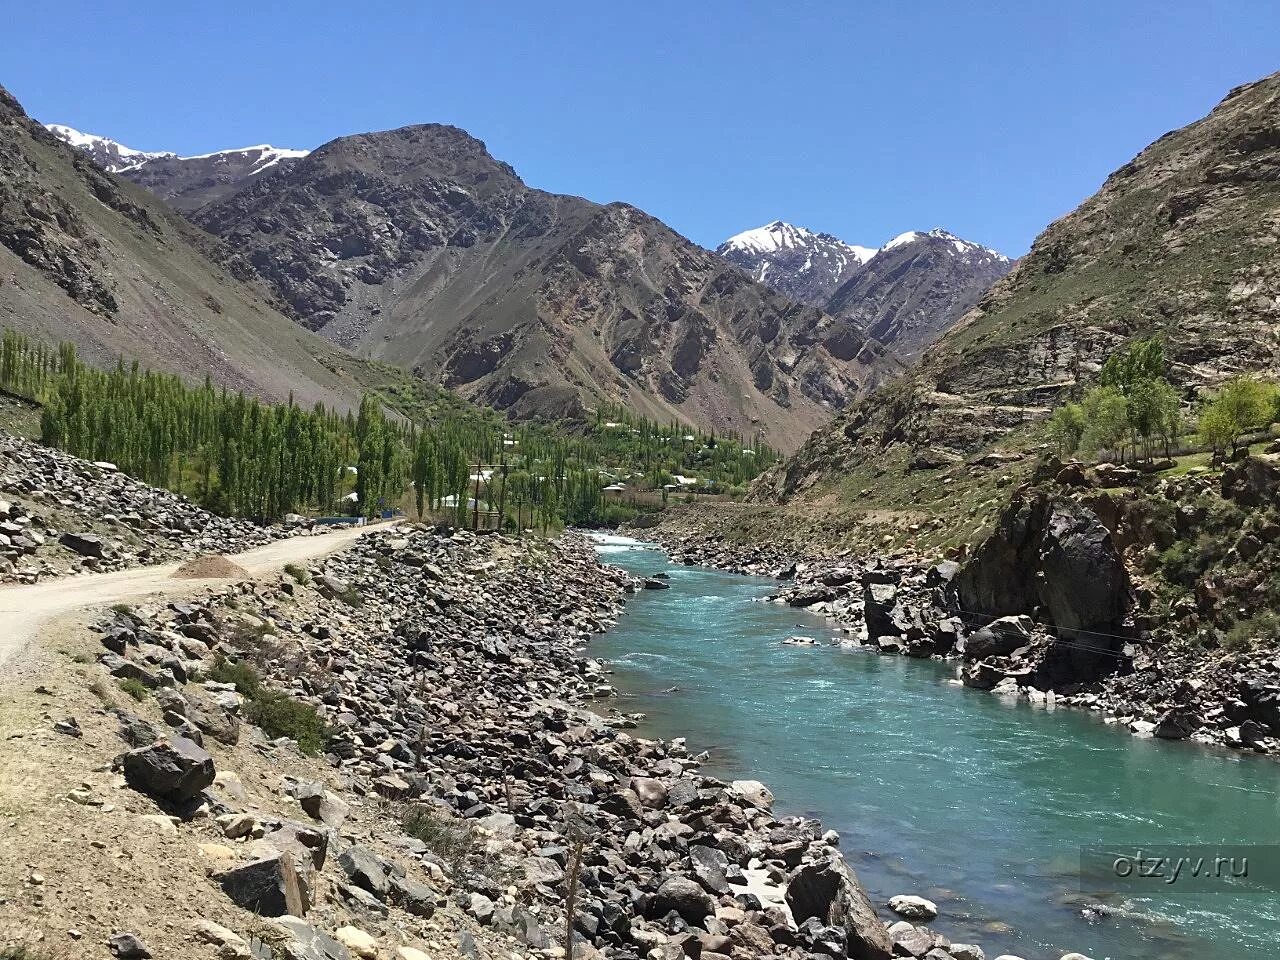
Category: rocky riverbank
[1044,609]
[442,677]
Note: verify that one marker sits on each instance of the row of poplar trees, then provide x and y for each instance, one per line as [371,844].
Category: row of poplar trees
[241,457]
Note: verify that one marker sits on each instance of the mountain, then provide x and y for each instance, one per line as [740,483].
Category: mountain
[1179,242]
[187,183]
[88,257]
[903,295]
[801,265]
[915,288]
[417,247]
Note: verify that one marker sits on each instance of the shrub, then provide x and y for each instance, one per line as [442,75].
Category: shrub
[279,715]
[351,597]
[1245,634]
[245,677]
[445,836]
[298,572]
[135,688]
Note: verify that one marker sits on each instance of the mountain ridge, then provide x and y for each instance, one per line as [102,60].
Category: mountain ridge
[418,247]
[902,294]
[90,258]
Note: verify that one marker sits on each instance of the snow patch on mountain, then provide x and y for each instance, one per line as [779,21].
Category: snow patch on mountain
[117,158]
[112,155]
[779,235]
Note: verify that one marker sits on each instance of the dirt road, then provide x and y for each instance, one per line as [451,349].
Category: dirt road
[25,609]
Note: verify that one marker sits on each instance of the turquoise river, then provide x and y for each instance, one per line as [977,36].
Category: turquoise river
[977,802]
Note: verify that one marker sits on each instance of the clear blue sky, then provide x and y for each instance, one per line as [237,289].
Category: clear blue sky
[863,119]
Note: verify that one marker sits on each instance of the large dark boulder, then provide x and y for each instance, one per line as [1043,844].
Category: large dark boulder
[174,770]
[829,891]
[1253,482]
[685,897]
[1055,559]
[260,885]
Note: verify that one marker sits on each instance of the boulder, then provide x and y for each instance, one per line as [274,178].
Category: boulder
[879,597]
[998,639]
[829,890]
[321,804]
[260,885]
[1177,723]
[753,793]
[85,544]
[916,909]
[685,897]
[127,946]
[308,943]
[1253,482]
[367,870]
[174,770]
[1056,556]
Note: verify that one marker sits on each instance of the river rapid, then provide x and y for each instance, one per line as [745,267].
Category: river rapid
[980,803]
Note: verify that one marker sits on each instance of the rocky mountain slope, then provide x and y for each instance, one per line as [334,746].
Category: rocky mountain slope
[186,183]
[88,257]
[1180,242]
[802,265]
[904,294]
[417,247]
[915,289]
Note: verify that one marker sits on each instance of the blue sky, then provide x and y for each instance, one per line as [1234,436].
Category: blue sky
[863,119]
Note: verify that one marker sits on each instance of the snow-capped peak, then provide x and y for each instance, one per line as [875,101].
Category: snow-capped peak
[116,157]
[962,247]
[780,235]
[112,155]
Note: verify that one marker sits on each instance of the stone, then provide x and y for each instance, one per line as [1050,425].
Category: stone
[1177,723]
[683,896]
[916,909]
[540,870]
[830,891]
[308,943]
[411,953]
[232,944]
[174,770]
[1057,555]
[360,944]
[128,946]
[651,792]
[709,866]
[997,639]
[85,544]
[754,793]
[367,870]
[259,885]
[321,804]
[967,951]
[480,907]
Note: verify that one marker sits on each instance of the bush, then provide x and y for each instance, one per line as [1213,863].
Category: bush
[445,836]
[1246,634]
[298,572]
[245,677]
[135,688]
[279,715]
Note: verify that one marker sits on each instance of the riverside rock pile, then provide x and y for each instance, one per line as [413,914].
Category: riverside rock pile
[62,515]
[1063,635]
[447,669]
